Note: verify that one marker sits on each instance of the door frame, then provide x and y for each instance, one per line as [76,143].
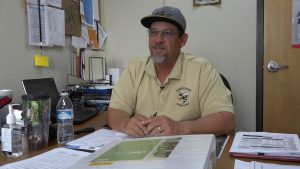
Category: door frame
[259,63]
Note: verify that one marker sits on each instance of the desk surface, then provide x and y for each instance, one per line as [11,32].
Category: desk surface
[226,161]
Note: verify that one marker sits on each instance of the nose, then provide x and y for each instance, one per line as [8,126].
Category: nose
[158,38]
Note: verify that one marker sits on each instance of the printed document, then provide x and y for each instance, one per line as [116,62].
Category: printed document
[264,145]
[59,158]
[51,30]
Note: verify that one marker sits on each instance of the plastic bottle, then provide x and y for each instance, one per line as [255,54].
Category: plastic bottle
[64,115]
[11,136]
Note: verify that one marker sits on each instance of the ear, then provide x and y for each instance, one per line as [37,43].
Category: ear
[184,39]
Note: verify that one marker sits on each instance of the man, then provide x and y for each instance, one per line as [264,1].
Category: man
[170,92]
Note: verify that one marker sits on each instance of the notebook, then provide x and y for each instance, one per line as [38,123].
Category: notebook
[32,86]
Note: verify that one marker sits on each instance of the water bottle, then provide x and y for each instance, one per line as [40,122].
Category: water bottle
[64,115]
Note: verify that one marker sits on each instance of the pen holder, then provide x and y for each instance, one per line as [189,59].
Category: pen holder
[36,115]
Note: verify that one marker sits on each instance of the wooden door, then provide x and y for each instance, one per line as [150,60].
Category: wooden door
[281,89]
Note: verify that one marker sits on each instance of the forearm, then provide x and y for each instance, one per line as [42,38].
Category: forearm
[218,123]
[117,119]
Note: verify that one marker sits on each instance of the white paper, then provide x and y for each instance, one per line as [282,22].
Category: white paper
[296,22]
[56,3]
[58,158]
[97,139]
[268,143]
[55,26]
[102,35]
[96,10]
[52,26]
[78,42]
[238,164]
[84,32]
[34,26]
[259,165]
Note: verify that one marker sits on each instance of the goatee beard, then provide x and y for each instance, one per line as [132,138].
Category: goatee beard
[158,59]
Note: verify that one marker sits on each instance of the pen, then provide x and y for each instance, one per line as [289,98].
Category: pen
[82,147]
[154,114]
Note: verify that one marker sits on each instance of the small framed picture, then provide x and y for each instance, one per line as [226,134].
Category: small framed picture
[206,2]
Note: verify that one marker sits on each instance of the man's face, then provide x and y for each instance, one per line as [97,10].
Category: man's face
[164,42]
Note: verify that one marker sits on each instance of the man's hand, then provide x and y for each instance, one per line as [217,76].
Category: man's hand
[121,121]
[161,126]
[134,127]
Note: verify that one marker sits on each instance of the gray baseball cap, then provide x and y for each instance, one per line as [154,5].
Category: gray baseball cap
[167,14]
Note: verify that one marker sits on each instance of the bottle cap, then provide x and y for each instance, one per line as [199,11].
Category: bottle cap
[10,118]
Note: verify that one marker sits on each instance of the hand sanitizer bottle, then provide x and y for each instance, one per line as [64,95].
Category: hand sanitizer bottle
[11,136]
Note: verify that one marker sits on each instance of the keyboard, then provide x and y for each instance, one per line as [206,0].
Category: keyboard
[82,115]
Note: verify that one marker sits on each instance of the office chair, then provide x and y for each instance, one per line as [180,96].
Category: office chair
[226,83]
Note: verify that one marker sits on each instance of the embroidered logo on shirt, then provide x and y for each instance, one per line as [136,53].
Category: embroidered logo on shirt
[183,95]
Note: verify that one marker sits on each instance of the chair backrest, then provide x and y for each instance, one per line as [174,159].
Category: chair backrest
[226,83]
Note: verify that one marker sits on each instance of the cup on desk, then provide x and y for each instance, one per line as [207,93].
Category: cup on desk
[36,114]
[5,99]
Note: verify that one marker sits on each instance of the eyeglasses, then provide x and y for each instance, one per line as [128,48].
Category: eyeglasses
[164,33]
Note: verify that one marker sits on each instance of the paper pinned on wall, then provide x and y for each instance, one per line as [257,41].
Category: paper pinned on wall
[86,10]
[296,24]
[96,10]
[93,41]
[52,26]
[101,35]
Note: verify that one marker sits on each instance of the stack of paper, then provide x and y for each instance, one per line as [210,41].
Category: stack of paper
[254,165]
[265,145]
[59,158]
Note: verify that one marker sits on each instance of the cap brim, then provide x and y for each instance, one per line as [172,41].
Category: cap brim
[148,20]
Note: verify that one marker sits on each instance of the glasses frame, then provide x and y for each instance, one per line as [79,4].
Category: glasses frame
[163,33]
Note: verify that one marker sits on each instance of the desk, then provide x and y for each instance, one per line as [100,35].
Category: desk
[97,122]
[226,161]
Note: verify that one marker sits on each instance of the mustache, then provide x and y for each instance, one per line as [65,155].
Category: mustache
[159,46]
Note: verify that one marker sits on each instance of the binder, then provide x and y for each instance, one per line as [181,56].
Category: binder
[167,152]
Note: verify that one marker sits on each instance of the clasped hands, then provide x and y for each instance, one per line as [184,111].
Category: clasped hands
[141,126]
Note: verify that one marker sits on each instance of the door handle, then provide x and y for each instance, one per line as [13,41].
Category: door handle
[274,66]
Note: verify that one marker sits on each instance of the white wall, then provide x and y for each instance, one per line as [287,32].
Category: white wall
[17,56]
[224,34]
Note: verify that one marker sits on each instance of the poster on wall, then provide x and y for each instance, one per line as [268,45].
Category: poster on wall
[296,24]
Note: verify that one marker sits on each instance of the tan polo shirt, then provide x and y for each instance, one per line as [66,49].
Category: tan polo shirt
[193,89]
